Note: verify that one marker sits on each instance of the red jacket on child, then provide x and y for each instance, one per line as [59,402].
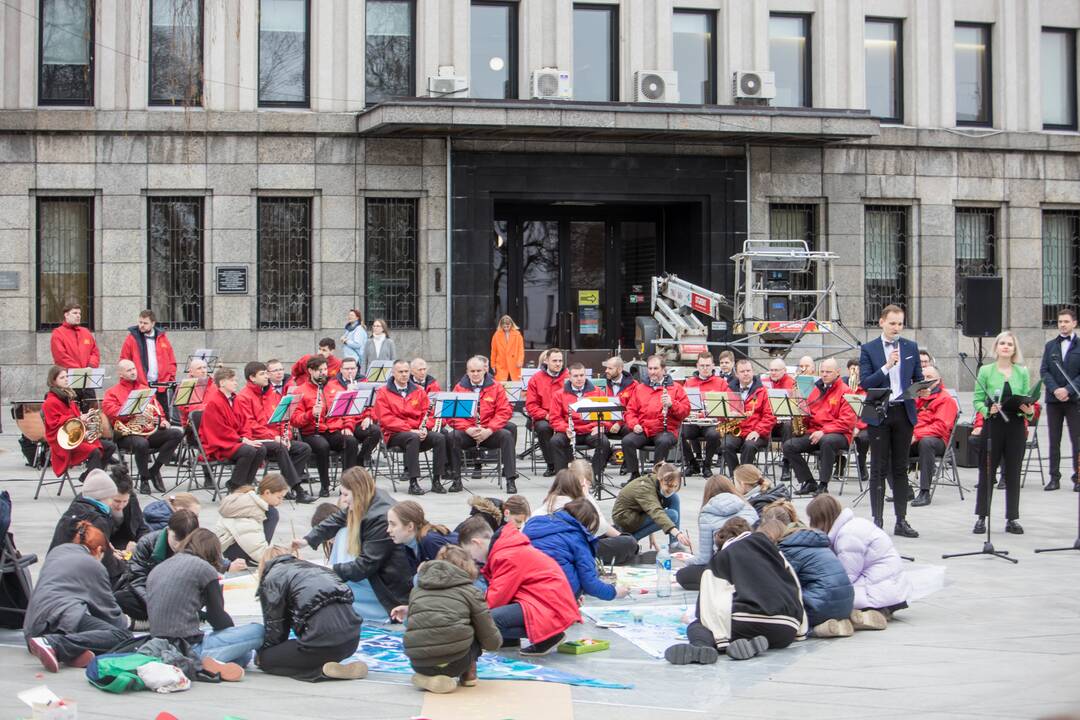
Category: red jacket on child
[57,411]
[493,407]
[73,346]
[937,415]
[539,391]
[646,407]
[395,413]
[560,409]
[830,412]
[163,350]
[255,405]
[221,428]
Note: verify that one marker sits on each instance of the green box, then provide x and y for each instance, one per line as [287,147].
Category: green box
[584,645]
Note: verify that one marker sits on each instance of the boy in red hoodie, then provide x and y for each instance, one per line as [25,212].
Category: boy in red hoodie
[528,593]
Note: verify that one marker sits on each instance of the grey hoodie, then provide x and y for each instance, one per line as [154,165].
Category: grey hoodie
[72,584]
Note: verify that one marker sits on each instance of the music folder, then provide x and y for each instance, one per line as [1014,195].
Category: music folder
[916,387]
[450,405]
[283,410]
[136,402]
[693,394]
[190,391]
[367,389]
[1012,402]
[86,378]
[599,408]
[379,370]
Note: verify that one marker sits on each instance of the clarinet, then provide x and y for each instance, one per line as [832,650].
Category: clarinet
[316,411]
[570,427]
[664,408]
[423,420]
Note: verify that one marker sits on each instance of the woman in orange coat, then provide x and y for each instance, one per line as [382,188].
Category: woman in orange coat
[59,407]
[507,350]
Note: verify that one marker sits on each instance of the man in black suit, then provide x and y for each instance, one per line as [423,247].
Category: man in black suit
[1060,364]
[892,362]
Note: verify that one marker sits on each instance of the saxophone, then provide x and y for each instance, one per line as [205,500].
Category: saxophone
[798,422]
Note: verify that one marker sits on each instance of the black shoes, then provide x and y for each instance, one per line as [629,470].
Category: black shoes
[821,490]
[511,485]
[550,472]
[1052,485]
[159,484]
[543,647]
[706,471]
[746,648]
[455,484]
[144,487]
[980,527]
[324,492]
[414,487]
[1013,527]
[902,529]
[685,654]
[692,468]
[922,500]
[1000,485]
[436,486]
[807,488]
[302,496]
[879,522]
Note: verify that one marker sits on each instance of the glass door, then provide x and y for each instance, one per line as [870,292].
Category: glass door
[586,260]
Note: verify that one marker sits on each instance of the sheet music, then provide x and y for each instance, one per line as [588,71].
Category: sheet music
[86,378]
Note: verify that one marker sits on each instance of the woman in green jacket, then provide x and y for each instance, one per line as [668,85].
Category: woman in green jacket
[1005,433]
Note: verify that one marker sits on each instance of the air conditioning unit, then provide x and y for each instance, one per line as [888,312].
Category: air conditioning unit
[656,86]
[753,85]
[448,84]
[551,84]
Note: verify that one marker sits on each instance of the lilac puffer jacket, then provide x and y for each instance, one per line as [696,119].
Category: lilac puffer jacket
[872,564]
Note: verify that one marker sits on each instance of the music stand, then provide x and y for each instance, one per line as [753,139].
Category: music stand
[190,391]
[693,394]
[454,406]
[513,390]
[379,370]
[86,378]
[600,409]
[207,355]
[350,403]
[136,402]
[283,410]
[786,407]
[724,406]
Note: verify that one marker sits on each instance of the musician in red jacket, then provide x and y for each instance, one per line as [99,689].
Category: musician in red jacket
[828,429]
[363,426]
[222,431]
[149,348]
[656,400]
[322,433]
[73,347]
[586,431]
[756,428]
[488,429]
[326,350]
[162,438]
[198,369]
[538,393]
[59,407]
[937,414]
[255,405]
[419,374]
[279,384]
[705,379]
[778,378]
[403,411]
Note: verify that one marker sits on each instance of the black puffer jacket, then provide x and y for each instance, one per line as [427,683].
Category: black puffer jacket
[151,550]
[381,562]
[291,591]
[83,508]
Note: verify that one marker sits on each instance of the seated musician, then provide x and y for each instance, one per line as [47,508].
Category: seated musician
[489,428]
[936,417]
[255,405]
[725,366]
[198,369]
[324,434]
[585,431]
[755,429]
[419,374]
[706,380]
[403,410]
[538,394]
[143,433]
[222,431]
[60,405]
[278,382]
[828,429]
[326,351]
[778,378]
[363,426]
[806,366]
[621,386]
[656,410]
[861,435]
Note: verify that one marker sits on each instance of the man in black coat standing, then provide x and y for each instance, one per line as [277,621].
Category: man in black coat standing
[1060,371]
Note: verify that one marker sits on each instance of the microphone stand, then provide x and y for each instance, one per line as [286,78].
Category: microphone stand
[988,546]
[1076,543]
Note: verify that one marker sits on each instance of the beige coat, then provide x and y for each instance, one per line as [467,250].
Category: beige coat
[241,522]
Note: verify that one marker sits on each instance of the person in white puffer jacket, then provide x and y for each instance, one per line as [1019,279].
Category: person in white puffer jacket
[248,518]
[721,501]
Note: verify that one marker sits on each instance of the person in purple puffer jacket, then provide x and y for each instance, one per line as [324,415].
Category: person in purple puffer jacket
[870,559]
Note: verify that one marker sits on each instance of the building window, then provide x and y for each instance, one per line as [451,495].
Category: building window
[283,53]
[176,52]
[884,51]
[390,57]
[65,258]
[1059,78]
[694,46]
[885,261]
[175,287]
[1060,262]
[66,46]
[793,221]
[284,263]
[493,67]
[391,260]
[789,58]
[974,99]
[596,52]
[976,245]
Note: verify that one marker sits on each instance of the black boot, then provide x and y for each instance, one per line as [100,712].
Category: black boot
[414,487]
[303,497]
[902,529]
[511,486]
[821,490]
[706,471]
[692,467]
[436,486]
[807,488]
[980,527]
[144,486]
[159,484]
[1054,484]
[455,484]
[922,500]
[550,472]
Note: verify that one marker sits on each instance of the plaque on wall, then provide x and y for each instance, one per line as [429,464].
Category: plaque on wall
[232,280]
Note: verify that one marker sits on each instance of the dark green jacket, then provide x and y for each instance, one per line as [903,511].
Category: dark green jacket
[446,612]
[639,501]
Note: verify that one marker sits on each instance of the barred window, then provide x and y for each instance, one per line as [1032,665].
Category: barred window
[1060,262]
[792,221]
[391,260]
[390,55]
[66,52]
[175,291]
[885,261]
[284,283]
[976,249]
[176,52]
[65,258]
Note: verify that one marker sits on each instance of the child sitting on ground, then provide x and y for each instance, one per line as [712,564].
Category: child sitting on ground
[721,500]
[248,518]
[157,513]
[516,510]
[449,624]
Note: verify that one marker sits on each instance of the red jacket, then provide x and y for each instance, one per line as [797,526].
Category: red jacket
[758,410]
[303,414]
[186,410]
[221,427]
[519,573]
[395,413]
[623,389]
[645,408]
[538,393]
[709,384]
[299,368]
[494,408]
[118,393]
[349,422]
[57,411]
[73,346]
[560,409]
[830,412]
[134,349]
[254,408]
[430,384]
[937,415]
[785,383]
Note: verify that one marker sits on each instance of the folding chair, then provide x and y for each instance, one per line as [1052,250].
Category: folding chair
[1032,444]
[61,480]
[394,459]
[947,464]
[196,460]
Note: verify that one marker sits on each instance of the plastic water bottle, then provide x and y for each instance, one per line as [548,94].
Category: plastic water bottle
[663,572]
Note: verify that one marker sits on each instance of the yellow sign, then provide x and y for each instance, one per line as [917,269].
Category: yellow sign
[588,297]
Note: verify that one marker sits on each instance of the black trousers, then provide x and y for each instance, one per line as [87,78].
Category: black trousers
[560,450]
[454,668]
[411,446]
[928,450]
[689,577]
[829,447]
[778,635]
[633,442]
[291,460]
[367,441]
[737,451]
[164,441]
[246,463]
[1057,414]
[691,434]
[543,431]
[502,439]
[890,445]
[862,448]
[99,459]
[619,550]
[321,445]
[303,662]
[133,604]
[1007,440]
[92,634]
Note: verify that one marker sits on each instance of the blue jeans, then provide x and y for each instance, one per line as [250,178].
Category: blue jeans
[510,620]
[236,644]
[650,525]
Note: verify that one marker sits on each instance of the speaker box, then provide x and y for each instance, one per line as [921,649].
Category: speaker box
[982,306]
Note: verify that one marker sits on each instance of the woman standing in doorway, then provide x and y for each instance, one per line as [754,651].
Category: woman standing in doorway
[507,350]
[379,346]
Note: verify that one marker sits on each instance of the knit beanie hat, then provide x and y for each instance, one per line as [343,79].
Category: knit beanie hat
[98,485]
